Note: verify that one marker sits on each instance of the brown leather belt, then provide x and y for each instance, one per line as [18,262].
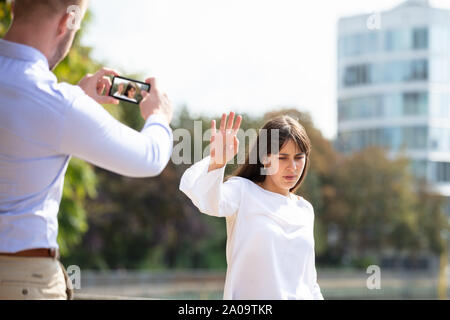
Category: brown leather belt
[35,253]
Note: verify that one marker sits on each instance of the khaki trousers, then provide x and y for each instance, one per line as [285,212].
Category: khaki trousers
[25,278]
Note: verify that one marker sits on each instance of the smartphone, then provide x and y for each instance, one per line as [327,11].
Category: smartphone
[128,90]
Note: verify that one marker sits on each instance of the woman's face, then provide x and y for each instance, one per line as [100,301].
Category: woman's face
[286,167]
[120,88]
[131,93]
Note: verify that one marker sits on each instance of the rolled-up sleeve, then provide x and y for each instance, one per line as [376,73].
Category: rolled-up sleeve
[208,192]
[92,134]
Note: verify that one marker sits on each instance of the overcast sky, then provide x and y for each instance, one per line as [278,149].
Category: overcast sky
[243,55]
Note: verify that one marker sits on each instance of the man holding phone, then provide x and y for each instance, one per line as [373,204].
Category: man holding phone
[42,124]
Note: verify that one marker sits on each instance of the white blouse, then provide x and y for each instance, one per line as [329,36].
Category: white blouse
[270,241]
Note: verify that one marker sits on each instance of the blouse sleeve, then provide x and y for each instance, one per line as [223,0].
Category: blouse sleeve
[208,192]
[317,294]
[314,285]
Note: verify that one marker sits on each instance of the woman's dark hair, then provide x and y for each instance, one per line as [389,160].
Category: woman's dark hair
[129,87]
[288,129]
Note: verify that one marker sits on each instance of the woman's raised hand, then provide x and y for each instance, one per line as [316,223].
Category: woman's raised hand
[224,144]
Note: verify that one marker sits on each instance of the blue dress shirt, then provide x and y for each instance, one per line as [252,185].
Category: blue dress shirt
[42,124]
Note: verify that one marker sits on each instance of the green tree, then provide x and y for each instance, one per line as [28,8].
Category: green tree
[374,204]
[5,16]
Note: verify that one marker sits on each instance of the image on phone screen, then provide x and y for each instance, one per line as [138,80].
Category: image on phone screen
[128,90]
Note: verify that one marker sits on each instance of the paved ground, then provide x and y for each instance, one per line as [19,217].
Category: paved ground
[335,284]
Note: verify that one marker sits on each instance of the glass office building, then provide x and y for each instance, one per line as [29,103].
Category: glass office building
[394,86]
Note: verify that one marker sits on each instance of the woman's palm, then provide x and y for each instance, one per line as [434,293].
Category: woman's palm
[224,143]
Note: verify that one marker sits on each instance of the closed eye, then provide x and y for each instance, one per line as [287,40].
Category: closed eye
[296,158]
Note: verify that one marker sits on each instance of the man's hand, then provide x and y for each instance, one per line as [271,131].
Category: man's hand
[155,102]
[97,86]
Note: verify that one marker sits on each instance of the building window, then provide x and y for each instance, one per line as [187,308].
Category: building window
[357,44]
[383,106]
[438,137]
[406,39]
[389,72]
[415,103]
[419,168]
[420,38]
[394,40]
[356,75]
[418,70]
[415,137]
[398,40]
[441,171]
[394,138]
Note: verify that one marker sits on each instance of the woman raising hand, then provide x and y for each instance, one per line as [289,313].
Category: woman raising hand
[270,241]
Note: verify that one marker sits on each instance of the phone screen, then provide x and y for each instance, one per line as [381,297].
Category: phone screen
[128,90]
